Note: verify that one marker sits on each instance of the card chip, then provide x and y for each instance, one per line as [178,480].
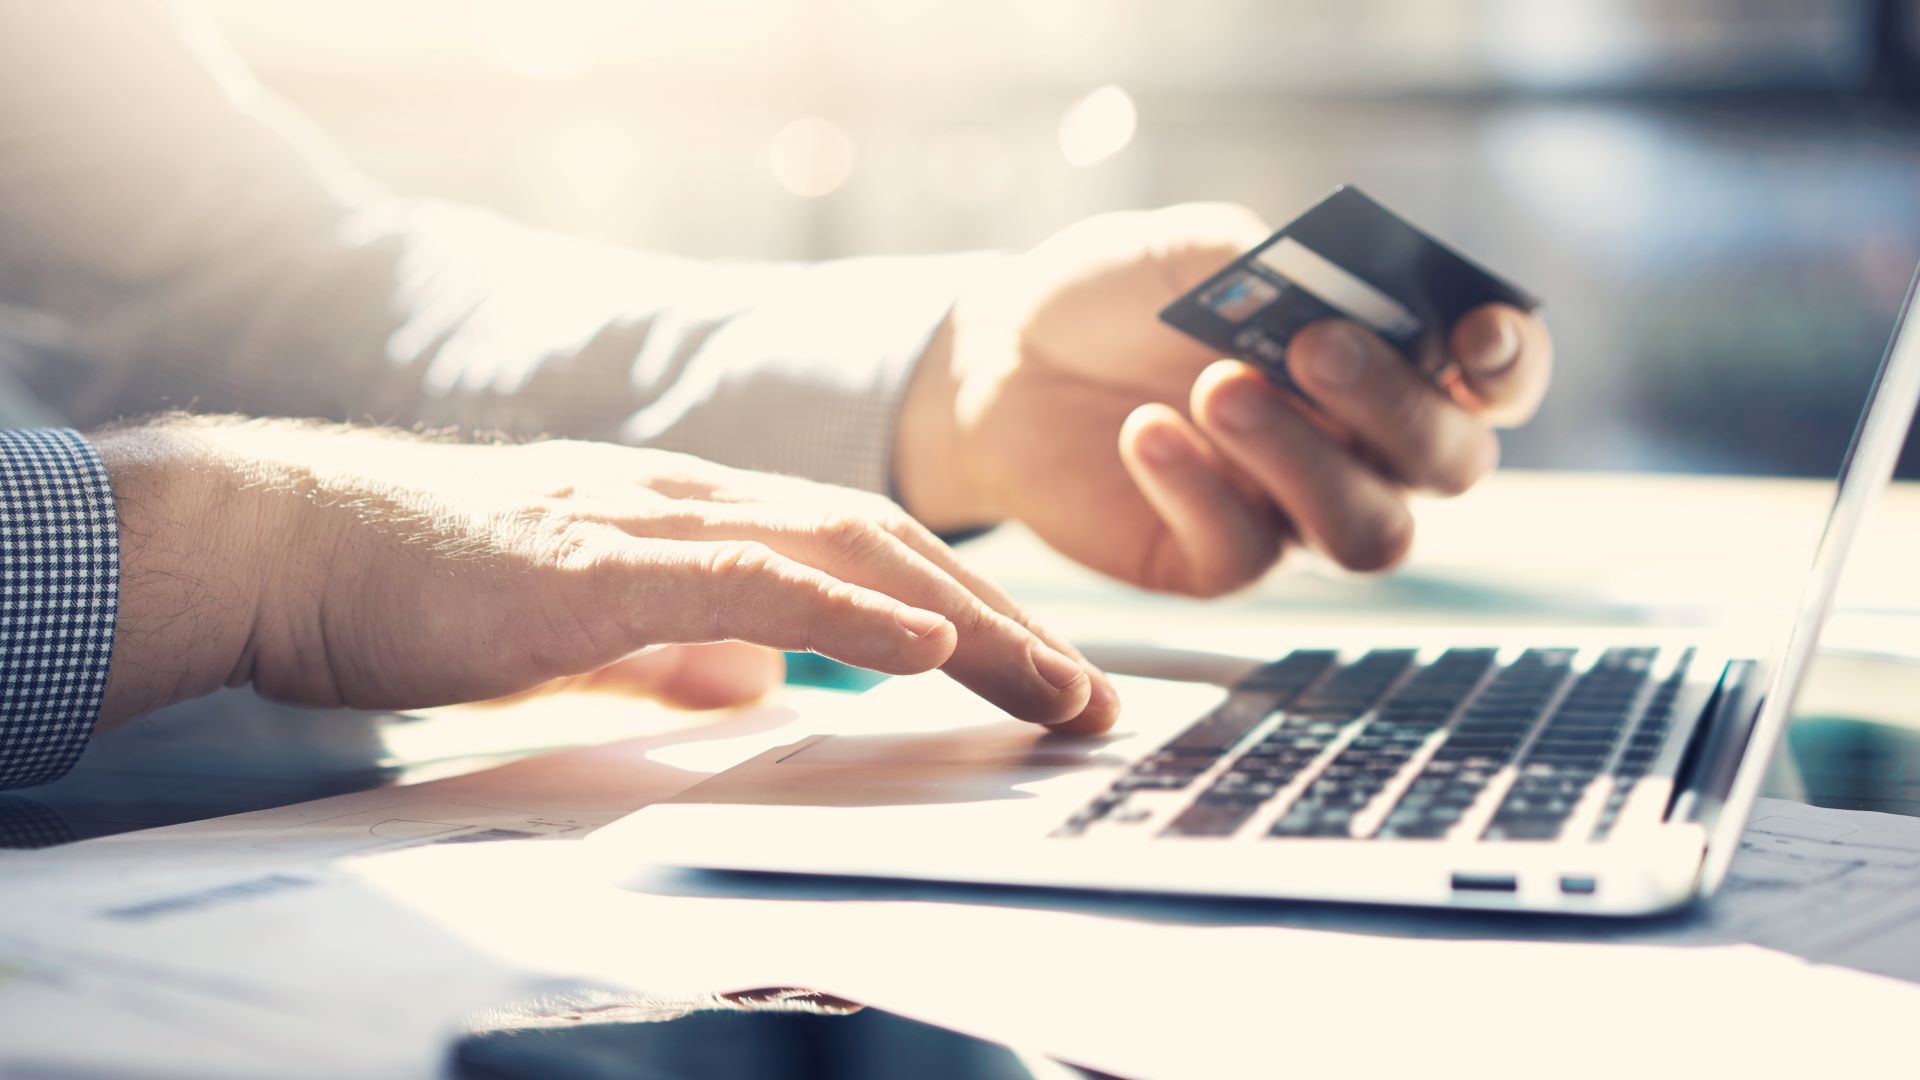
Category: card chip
[1238,297]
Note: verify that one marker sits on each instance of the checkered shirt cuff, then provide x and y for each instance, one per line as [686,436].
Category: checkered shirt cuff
[59,589]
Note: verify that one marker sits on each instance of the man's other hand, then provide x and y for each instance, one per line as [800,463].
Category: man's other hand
[332,566]
[1055,396]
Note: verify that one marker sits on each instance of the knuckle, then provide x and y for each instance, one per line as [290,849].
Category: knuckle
[977,619]
[1409,412]
[559,535]
[1432,453]
[1379,545]
[882,514]
[740,561]
[893,518]
[1475,459]
[841,598]
[737,572]
[853,536]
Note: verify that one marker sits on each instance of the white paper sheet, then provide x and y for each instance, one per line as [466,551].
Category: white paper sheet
[1148,989]
[253,912]
[255,924]
[394,947]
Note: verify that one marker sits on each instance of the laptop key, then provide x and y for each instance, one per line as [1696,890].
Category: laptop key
[1312,723]
[1576,741]
[1643,747]
[1370,761]
[1292,673]
[1483,741]
[1193,752]
[1224,726]
[1152,782]
[1213,818]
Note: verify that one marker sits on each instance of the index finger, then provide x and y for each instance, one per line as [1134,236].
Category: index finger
[1103,703]
[998,656]
[1506,360]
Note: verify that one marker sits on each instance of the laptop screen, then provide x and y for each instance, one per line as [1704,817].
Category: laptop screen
[1864,472]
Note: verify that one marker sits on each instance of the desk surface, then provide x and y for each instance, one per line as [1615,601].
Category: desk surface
[1647,550]
[1526,548]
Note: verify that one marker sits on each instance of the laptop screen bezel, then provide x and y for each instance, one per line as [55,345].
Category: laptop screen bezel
[1865,471]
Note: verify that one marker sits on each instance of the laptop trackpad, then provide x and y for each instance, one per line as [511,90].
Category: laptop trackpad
[969,747]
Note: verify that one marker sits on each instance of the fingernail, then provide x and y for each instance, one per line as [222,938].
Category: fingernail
[1104,697]
[1056,667]
[1492,346]
[1161,447]
[917,621]
[1337,356]
[1242,407]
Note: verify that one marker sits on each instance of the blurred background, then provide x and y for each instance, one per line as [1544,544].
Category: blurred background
[1716,198]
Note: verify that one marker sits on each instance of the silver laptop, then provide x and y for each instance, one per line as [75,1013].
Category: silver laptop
[1551,772]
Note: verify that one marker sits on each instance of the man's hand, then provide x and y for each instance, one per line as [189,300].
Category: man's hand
[1055,396]
[329,566]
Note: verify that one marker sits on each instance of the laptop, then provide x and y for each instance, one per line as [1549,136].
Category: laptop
[1553,772]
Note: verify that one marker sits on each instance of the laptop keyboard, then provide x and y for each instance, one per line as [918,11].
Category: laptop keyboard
[1385,747]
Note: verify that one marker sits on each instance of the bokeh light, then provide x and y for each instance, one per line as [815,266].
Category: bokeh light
[1098,126]
[811,157]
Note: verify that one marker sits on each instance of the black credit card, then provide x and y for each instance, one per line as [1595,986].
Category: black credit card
[1348,257]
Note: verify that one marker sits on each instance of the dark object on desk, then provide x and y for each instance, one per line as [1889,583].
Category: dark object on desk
[1347,257]
[868,1045]
[25,825]
[1855,764]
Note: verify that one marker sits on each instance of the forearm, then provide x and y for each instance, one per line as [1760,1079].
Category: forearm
[254,271]
[196,246]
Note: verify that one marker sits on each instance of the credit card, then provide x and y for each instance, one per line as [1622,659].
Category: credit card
[1348,257]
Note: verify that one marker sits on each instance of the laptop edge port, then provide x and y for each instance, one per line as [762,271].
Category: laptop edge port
[1494,883]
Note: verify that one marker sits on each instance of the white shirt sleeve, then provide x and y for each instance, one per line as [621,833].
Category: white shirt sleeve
[199,247]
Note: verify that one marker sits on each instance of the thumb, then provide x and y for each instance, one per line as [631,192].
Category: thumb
[712,676]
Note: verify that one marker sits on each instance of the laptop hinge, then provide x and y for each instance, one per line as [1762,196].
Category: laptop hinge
[1712,759]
